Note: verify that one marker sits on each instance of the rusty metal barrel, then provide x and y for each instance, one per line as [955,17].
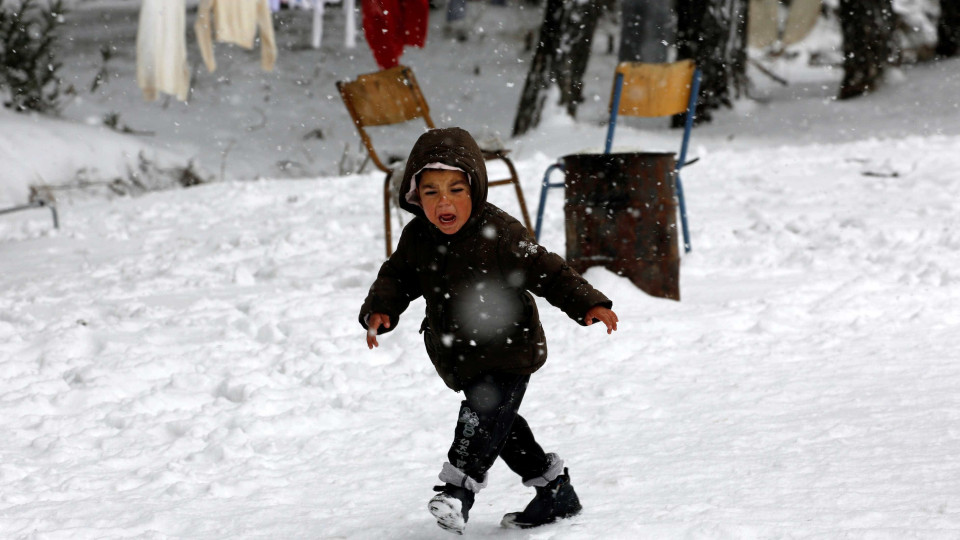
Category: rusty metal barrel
[620,212]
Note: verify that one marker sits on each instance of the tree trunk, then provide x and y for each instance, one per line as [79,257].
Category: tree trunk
[948,29]
[566,36]
[541,70]
[646,31]
[579,27]
[867,27]
[713,34]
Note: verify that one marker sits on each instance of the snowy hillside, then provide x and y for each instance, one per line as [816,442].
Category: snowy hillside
[188,364]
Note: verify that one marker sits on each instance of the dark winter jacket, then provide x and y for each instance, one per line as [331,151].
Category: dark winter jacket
[480,316]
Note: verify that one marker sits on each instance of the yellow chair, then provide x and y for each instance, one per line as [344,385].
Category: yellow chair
[392,96]
[648,90]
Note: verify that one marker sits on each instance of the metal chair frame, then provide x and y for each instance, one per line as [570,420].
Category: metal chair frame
[40,203]
[647,83]
[392,96]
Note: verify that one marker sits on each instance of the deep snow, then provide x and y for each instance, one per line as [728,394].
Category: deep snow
[187,364]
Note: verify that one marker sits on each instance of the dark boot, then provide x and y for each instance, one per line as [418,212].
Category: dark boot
[556,500]
[451,507]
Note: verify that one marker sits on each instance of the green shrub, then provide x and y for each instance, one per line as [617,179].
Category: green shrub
[29,79]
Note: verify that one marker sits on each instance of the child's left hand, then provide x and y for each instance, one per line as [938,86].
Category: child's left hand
[604,315]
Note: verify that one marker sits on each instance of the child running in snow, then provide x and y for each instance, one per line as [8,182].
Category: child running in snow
[475,266]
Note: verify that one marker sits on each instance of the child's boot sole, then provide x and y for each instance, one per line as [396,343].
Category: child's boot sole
[512,520]
[446,510]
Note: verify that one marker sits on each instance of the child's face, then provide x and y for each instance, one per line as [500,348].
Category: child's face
[445,197]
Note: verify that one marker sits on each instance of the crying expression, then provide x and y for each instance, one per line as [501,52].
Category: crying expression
[445,197]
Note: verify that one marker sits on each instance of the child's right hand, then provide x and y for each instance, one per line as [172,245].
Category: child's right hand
[604,315]
[373,325]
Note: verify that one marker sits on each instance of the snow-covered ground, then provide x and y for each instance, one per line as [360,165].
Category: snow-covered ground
[187,364]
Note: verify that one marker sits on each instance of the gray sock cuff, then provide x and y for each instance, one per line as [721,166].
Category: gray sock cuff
[452,475]
[554,468]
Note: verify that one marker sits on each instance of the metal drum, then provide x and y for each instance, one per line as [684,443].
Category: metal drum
[620,212]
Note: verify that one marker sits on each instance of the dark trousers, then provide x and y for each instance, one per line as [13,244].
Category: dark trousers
[489,426]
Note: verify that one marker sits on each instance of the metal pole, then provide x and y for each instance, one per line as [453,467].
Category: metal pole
[614,110]
[35,204]
[544,187]
[688,126]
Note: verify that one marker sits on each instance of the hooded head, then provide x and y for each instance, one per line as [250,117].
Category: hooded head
[444,149]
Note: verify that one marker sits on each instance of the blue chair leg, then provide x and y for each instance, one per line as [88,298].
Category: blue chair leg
[683,216]
[614,111]
[544,187]
[688,126]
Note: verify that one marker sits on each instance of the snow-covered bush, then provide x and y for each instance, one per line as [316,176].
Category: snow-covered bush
[916,32]
[29,79]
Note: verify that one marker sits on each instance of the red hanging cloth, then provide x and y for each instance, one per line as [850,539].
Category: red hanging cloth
[389,25]
[416,17]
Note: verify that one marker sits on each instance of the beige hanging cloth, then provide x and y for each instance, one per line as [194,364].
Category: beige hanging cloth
[236,22]
[763,24]
[162,49]
[801,19]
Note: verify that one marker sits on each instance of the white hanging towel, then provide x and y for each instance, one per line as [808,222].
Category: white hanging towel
[801,19]
[763,24]
[350,33]
[237,22]
[318,6]
[162,49]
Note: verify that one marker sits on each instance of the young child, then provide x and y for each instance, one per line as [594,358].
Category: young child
[475,266]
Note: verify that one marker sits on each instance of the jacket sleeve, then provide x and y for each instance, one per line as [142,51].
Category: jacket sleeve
[203,29]
[546,274]
[395,287]
[268,43]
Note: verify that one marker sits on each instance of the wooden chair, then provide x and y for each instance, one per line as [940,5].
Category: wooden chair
[392,96]
[648,90]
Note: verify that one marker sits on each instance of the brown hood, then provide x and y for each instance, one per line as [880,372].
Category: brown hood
[450,146]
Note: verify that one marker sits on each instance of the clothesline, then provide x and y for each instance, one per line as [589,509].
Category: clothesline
[161,37]
[389,26]
[318,7]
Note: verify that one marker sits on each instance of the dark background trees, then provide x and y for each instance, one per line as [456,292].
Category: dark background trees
[29,78]
[867,27]
[560,59]
[713,33]
[948,28]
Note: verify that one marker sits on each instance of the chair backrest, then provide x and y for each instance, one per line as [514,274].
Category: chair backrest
[391,96]
[651,90]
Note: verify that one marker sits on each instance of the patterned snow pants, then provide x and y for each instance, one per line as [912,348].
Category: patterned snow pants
[489,426]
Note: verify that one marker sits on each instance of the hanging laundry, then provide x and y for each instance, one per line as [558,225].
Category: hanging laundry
[162,49]
[456,10]
[801,19]
[763,23]
[389,25]
[318,7]
[317,34]
[237,22]
[350,24]
[274,5]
